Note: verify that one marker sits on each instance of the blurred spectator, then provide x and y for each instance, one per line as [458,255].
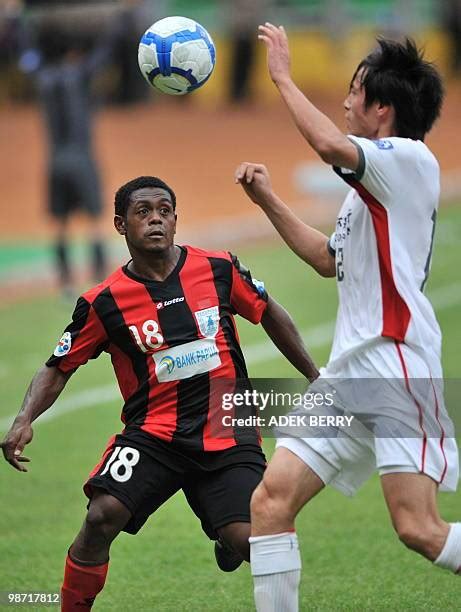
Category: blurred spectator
[12,40]
[10,27]
[452,22]
[242,18]
[63,78]
[126,30]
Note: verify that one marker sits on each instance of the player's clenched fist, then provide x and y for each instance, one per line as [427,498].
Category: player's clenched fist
[278,52]
[256,182]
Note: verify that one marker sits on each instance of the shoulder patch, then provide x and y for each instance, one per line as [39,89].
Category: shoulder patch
[259,286]
[383,144]
[64,345]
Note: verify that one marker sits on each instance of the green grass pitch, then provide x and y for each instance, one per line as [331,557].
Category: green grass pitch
[351,557]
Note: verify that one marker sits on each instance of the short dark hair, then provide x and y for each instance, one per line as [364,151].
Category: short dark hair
[122,197]
[397,74]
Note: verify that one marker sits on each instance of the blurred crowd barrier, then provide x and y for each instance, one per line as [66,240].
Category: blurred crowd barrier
[328,38]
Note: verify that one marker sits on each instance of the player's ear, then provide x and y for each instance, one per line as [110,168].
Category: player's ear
[119,224]
[386,116]
[384,110]
[175,221]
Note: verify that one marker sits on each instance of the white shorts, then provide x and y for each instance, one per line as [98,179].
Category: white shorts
[400,421]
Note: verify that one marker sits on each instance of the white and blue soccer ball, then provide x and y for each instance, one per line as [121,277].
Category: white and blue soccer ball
[176,55]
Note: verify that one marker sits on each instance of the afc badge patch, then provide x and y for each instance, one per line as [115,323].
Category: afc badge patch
[208,321]
[384,145]
[64,345]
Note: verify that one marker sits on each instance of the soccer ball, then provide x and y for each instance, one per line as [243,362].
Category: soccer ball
[176,55]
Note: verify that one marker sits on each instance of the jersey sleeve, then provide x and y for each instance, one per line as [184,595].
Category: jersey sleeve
[382,164]
[248,295]
[331,244]
[84,338]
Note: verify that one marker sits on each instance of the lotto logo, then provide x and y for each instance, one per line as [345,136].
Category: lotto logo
[161,305]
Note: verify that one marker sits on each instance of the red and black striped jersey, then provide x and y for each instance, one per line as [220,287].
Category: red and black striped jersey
[169,341]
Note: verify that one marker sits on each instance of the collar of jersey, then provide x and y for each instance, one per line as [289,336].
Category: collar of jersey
[150,281]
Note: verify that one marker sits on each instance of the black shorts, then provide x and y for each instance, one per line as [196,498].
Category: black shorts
[143,472]
[73,183]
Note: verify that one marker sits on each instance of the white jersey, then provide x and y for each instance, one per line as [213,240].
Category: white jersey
[383,247]
[385,359]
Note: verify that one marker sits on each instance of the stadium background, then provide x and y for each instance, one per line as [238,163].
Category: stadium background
[351,557]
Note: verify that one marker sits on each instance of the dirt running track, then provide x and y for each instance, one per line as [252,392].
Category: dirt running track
[192,148]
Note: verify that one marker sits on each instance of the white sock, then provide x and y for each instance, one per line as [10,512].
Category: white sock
[450,557]
[276,569]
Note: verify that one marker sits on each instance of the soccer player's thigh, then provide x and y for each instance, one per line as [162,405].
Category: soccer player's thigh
[136,477]
[299,469]
[410,497]
[222,497]
[288,483]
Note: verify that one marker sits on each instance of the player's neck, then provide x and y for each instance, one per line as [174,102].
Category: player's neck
[155,266]
[385,130]
[385,133]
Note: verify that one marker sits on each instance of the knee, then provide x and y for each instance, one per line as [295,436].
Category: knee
[259,500]
[268,502]
[419,535]
[104,518]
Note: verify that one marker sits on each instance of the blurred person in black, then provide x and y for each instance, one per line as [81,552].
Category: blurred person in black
[10,26]
[451,14]
[242,17]
[63,77]
[129,23]
[13,36]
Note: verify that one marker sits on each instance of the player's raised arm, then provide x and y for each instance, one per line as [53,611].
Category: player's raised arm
[281,329]
[319,131]
[307,242]
[43,391]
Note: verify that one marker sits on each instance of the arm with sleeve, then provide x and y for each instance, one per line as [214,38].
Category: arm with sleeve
[248,295]
[384,166]
[84,338]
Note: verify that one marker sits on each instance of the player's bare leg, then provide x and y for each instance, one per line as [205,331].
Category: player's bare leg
[288,484]
[236,536]
[62,255]
[233,546]
[88,558]
[106,517]
[98,253]
[412,503]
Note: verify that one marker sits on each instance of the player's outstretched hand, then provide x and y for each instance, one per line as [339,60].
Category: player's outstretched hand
[15,440]
[278,52]
[256,182]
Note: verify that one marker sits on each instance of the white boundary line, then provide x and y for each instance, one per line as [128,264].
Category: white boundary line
[314,337]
